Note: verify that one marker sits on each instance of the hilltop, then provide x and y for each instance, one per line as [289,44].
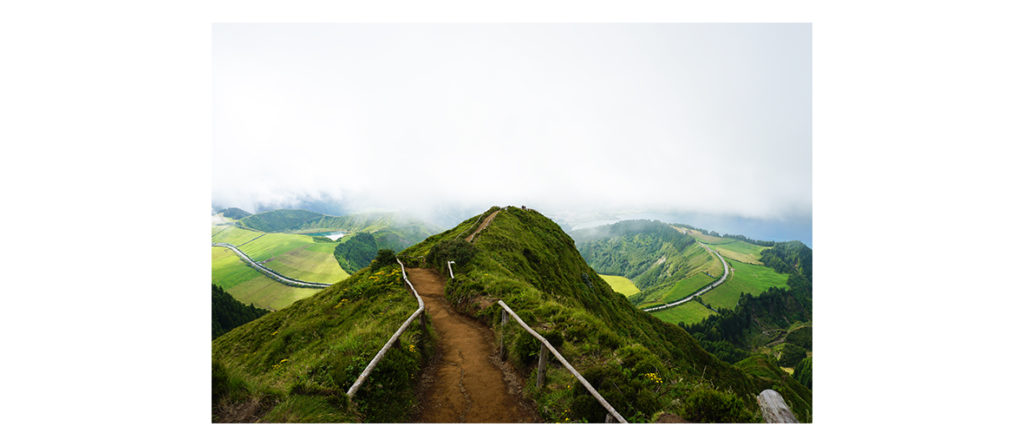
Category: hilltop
[295,364]
[528,261]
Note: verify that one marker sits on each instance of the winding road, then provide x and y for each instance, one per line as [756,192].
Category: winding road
[271,273]
[725,274]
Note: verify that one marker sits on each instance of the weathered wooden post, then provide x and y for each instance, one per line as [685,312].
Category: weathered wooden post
[541,365]
[774,408]
[501,342]
[423,321]
[608,418]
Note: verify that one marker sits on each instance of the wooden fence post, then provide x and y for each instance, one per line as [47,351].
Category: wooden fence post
[501,342]
[541,365]
[608,418]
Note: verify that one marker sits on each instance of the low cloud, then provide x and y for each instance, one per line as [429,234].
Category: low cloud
[581,121]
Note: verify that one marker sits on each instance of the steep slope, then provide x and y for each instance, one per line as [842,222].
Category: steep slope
[647,252]
[295,365]
[639,364]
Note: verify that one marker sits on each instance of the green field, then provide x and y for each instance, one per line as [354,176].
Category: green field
[233,235]
[688,313]
[740,250]
[701,264]
[249,286]
[621,284]
[293,255]
[746,278]
[311,263]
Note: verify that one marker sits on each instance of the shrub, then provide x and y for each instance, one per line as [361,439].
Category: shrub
[801,337]
[713,406]
[802,373]
[791,355]
[384,257]
[457,250]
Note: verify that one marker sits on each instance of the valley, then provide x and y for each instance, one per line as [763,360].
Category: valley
[294,364]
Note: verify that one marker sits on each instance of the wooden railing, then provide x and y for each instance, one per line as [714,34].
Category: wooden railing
[373,363]
[542,362]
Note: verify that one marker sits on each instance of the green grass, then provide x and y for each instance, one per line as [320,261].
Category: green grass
[265,292]
[274,244]
[532,265]
[700,264]
[621,284]
[746,278]
[250,286]
[690,313]
[233,235]
[302,359]
[310,264]
[740,250]
[229,270]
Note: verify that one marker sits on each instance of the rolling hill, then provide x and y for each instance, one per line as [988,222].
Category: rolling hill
[729,320]
[294,364]
[300,256]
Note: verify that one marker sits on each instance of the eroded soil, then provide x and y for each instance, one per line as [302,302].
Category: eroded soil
[465,383]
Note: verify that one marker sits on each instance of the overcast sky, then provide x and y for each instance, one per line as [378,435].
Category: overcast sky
[568,119]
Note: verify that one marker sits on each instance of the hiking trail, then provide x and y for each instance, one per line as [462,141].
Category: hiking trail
[466,382]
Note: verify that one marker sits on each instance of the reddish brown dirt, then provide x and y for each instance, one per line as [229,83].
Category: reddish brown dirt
[464,384]
[487,222]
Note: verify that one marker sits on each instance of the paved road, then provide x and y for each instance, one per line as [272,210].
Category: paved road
[271,273]
[725,274]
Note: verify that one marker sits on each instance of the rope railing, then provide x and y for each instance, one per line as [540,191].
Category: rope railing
[541,364]
[380,354]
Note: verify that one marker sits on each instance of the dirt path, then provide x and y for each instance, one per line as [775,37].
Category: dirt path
[487,222]
[465,383]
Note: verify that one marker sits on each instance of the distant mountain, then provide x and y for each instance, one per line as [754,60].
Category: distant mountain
[400,230]
[647,252]
[234,213]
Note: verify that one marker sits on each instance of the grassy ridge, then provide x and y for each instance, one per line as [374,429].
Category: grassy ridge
[297,363]
[638,363]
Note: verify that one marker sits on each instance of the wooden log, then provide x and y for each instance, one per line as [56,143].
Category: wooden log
[542,364]
[774,408]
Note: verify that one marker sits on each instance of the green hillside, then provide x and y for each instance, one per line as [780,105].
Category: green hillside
[647,252]
[294,365]
[394,231]
[234,213]
[301,256]
[229,313]
[526,260]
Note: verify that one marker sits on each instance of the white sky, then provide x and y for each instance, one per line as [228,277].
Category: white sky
[579,118]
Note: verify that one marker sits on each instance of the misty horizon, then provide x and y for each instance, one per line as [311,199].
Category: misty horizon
[705,124]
